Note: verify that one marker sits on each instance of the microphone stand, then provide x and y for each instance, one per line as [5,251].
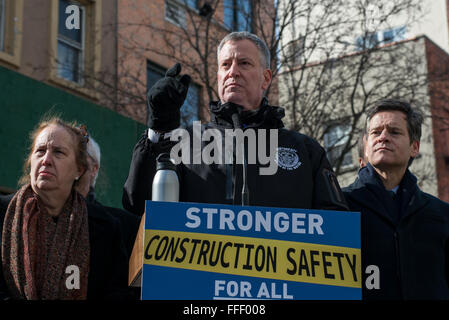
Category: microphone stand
[245,191]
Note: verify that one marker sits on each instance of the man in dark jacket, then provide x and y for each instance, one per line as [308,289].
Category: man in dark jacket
[405,232]
[128,223]
[303,179]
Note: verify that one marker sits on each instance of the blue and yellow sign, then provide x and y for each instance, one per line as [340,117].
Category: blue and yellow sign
[206,251]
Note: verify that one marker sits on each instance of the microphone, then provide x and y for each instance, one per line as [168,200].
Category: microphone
[237,122]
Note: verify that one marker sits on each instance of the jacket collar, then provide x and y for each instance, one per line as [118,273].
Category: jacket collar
[411,196]
[361,192]
[265,117]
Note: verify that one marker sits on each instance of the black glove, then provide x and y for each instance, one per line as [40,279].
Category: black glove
[165,98]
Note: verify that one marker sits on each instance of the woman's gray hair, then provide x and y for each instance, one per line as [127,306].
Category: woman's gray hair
[264,52]
[93,150]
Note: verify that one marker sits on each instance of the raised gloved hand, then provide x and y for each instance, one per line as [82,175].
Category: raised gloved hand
[165,98]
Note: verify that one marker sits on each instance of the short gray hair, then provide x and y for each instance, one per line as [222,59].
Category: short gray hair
[93,150]
[264,52]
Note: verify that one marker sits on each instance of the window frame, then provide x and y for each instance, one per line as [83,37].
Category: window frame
[398,34]
[295,51]
[81,48]
[155,68]
[190,5]
[235,7]
[181,8]
[334,147]
[12,32]
[160,70]
[91,57]
[195,113]
[368,41]
[2,23]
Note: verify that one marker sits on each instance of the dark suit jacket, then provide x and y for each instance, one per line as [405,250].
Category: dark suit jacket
[108,275]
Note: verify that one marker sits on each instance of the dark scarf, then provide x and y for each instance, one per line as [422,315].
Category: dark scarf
[266,116]
[36,249]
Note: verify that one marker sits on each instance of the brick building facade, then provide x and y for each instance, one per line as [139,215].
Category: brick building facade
[92,60]
[438,70]
[153,35]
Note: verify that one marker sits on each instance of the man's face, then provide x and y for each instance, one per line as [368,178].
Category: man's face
[242,79]
[388,142]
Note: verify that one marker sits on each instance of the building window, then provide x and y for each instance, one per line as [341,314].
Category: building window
[190,108]
[11,30]
[238,15]
[2,24]
[369,41]
[70,49]
[335,140]
[375,39]
[154,73]
[75,47]
[191,3]
[175,13]
[294,52]
[393,35]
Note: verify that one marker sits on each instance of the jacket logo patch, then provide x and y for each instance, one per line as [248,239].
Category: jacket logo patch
[287,158]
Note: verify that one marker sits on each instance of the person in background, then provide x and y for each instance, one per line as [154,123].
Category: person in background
[361,151]
[129,223]
[53,245]
[304,177]
[405,231]
[86,185]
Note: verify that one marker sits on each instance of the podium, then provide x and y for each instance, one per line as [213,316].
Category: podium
[197,251]
[136,259]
